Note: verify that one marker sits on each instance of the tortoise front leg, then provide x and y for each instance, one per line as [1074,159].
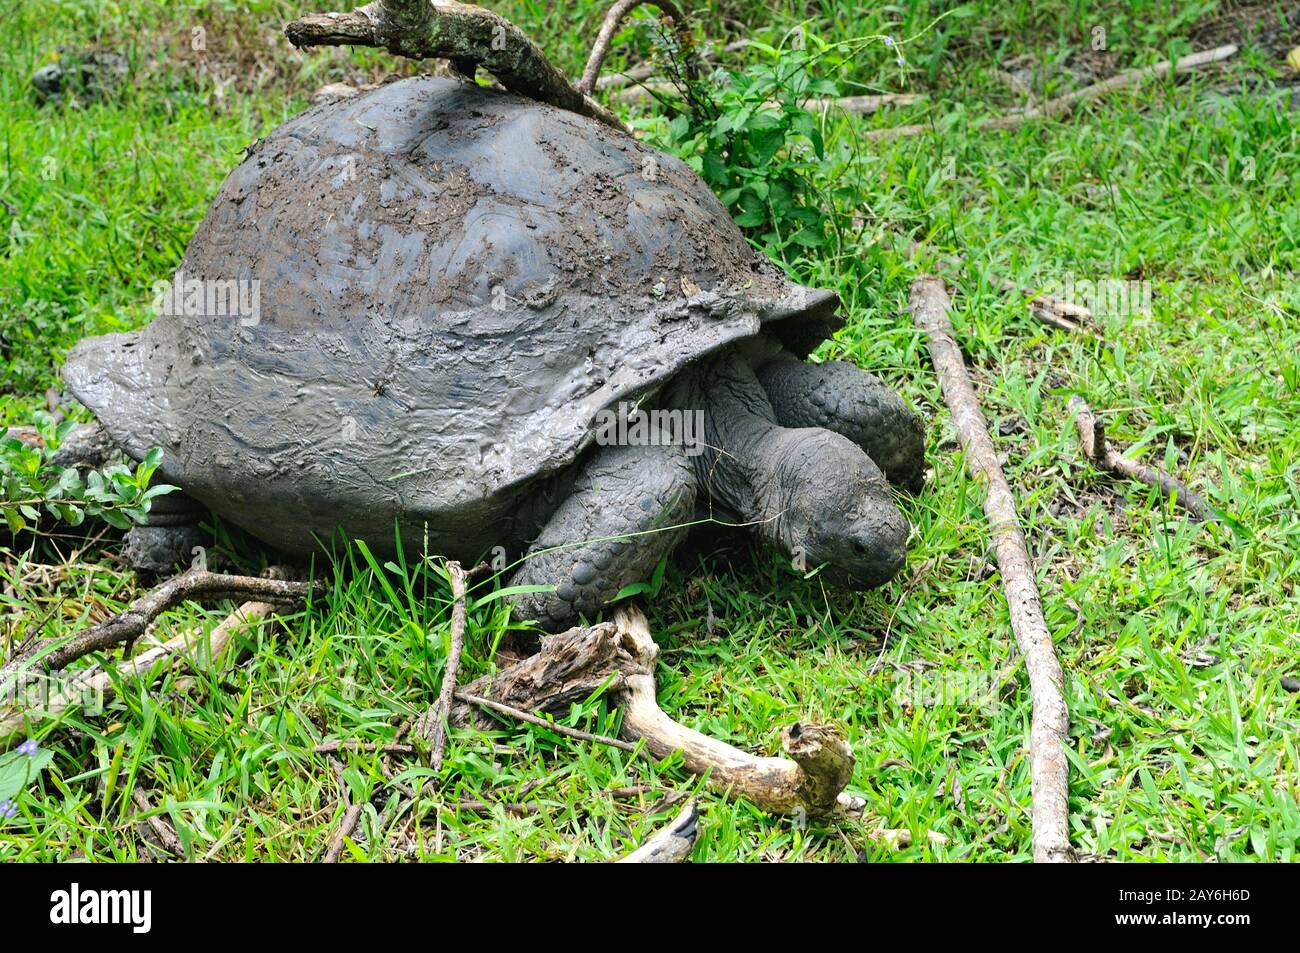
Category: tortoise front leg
[170,536]
[628,507]
[843,398]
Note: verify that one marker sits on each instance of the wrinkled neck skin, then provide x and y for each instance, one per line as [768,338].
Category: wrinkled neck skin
[746,463]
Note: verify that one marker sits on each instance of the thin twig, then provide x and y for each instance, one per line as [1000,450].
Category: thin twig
[1092,439]
[1057,312]
[364,747]
[643,71]
[161,828]
[346,829]
[434,725]
[521,715]
[132,621]
[1066,102]
[672,16]
[1050,719]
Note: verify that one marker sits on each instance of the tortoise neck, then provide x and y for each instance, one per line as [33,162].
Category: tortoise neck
[739,466]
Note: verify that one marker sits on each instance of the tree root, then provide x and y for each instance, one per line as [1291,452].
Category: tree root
[1092,439]
[1051,718]
[465,34]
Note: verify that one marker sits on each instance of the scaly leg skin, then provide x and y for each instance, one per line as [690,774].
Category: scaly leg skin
[843,398]
[170,535]
[629,506]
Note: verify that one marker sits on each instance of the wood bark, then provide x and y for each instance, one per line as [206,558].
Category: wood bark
[1092,439]
[1050,719]
[672,844]
[461,32]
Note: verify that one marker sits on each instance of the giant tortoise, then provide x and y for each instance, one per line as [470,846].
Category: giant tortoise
[406,315]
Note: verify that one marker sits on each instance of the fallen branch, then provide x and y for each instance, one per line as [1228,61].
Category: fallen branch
[1050,721]
[1092,439]
[858,105]
[570,668]
[465,34]
[196,649]
[1057,312]
[671,845]
[812,782]
[672,17]
[618,658]
[433,726]
[131,623]
[161,828]
[1066,102]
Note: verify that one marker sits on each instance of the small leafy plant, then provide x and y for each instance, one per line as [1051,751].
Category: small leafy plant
[31,486]
[750,136]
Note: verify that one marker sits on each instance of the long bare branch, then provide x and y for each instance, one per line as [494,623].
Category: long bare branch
[1066,102]
[198,584]
[1051,719]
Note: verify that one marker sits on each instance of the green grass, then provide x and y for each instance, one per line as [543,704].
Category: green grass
[1174,637]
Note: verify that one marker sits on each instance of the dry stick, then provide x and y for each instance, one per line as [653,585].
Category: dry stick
[671,14]
[346,829]
[1066,102]
[132,622]
[364,747]
[1049,768]
[433,726]
[162,829]
[520,715]
[858,105]
[1092,438]
[643,71]
[461,32]
[672,844]
[811,781]
[1049,309]
[97,684]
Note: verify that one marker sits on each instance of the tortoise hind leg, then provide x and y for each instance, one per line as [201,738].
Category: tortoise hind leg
[847,400]
[628,507]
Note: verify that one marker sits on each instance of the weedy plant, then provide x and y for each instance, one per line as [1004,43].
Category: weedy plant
[750,135]
[18,769]
[31,486]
